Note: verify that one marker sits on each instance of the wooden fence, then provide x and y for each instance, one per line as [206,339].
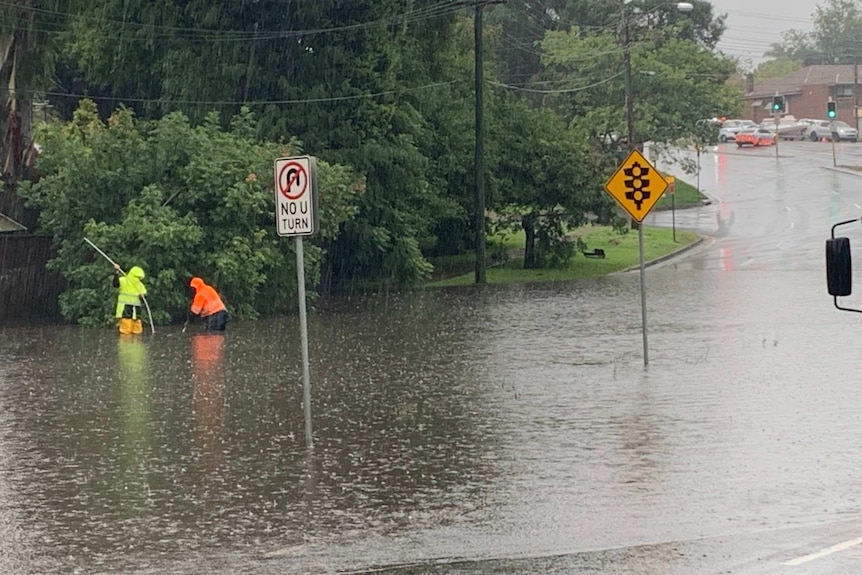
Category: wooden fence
[27,289]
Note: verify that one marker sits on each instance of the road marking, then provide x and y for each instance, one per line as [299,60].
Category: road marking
[858,207]
[823,553]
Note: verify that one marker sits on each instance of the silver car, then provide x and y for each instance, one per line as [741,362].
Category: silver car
[818,130]
[843,132]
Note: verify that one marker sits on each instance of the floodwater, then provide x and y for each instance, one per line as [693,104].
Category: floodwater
[478,425]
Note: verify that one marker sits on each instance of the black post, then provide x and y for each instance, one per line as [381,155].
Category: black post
[627,68]
[480,153]
[855,95]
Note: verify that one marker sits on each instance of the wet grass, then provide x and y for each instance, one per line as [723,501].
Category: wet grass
[505,250]
[621,252]
[685,196]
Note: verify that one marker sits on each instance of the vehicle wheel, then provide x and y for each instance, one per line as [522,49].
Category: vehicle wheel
[853,141]
[814,137]
[836,137]
[738,144]
[722,138]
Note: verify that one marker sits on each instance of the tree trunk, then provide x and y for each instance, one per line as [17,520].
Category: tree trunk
[17,150]
[528,222]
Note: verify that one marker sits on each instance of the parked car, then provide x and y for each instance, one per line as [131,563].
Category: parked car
[759,136]
[817,129]
[729,129]
[827,129]
[843,132]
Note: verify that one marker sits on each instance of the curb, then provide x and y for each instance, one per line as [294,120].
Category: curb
[842,170]
[665,257]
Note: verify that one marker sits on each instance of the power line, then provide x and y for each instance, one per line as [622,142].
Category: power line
[241,102]
[558,91]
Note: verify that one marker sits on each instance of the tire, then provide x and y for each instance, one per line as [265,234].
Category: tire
[838,272]
[722,138]
[814,137]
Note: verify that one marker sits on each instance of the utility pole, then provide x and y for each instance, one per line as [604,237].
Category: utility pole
[480,151]
[855,95]
[627,72]
[479,175]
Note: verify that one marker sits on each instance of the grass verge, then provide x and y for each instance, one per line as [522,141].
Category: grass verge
[685,196]
[621,251]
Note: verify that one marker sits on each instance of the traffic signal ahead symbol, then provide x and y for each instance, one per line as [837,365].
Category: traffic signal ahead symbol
[636,186]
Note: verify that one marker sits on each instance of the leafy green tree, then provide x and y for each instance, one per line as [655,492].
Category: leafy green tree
[26,67]
[834,40]
[179,201]
[542,180]
[675,84]
[777,68]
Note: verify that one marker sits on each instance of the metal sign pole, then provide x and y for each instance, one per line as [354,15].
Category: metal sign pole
[296,215]
[637,186]
[303,329]
[776,115]
[643,291]
[834,160]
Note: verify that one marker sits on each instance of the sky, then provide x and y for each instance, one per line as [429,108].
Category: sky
[752,25]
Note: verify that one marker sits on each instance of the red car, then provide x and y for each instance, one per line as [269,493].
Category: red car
[756,137]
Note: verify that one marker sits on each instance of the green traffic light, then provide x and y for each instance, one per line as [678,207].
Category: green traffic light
[831,112]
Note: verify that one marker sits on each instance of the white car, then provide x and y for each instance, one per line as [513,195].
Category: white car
[729,129]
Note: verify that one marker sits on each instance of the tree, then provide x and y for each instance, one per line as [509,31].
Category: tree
[837,31]
[675,84]
[26,58]
[834,40]
[179,201]
[541,180]
[777,68]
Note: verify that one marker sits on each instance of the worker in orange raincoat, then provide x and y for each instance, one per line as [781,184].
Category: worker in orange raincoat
[208,305]
[132,289]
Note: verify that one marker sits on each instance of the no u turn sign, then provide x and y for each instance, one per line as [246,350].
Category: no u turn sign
[296,196]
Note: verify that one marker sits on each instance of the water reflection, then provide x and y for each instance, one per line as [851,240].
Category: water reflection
[208,409]
[135,413]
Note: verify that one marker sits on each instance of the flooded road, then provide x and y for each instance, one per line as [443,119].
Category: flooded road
[507,429]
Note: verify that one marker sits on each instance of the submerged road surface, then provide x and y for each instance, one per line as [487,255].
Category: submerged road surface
[502,430]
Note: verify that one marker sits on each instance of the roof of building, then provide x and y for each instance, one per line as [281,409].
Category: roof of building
[829,75]
[7,224]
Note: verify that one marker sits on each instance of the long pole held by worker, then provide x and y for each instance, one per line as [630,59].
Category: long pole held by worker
[143,298]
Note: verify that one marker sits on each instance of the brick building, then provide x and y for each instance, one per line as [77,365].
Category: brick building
[806,92]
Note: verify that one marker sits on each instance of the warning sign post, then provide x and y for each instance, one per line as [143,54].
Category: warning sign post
[637,186]
[296,196]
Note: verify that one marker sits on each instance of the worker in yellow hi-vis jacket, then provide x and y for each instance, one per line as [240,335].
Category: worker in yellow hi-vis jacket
[131,288]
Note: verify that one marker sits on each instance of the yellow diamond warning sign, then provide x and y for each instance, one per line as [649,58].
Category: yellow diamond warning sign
[636,186]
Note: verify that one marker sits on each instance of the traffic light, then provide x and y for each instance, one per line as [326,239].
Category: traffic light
[778,103]
[831,111]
